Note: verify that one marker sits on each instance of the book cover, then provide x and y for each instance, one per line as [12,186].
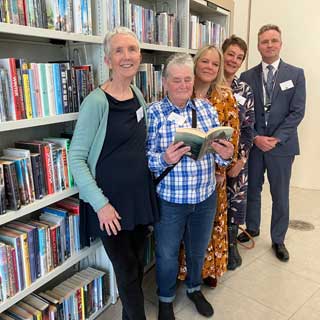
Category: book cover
[42,239]
[26,89]
[13,201]
[25,153]
[25,253]
[33,246]
[199,141]
[43,89]
[3,207]
[13,239]
[39,149]
[36,173]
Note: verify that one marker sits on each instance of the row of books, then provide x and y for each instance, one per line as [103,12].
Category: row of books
[32,170]
[149,80]
[64,15]
[205,33]
[76,298]
[150,26]
[31,249]
[32,90]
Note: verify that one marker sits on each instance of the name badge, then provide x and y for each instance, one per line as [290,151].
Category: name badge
[179,120]
[139,114]
[286,85]
[240,99]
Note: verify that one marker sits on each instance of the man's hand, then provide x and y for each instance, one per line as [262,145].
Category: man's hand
[175,152]
[224,148]
[265,143]
[109,219]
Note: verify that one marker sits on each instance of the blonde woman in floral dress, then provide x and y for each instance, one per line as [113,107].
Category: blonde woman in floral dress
[209,85]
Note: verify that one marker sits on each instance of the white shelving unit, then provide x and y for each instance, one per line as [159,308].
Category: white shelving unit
[84,253]
[42,45]
[37,122]
[36,205]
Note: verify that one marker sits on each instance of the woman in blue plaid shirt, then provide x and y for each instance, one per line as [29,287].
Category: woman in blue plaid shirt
[187,198]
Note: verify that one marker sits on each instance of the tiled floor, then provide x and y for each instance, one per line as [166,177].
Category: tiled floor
[263,288]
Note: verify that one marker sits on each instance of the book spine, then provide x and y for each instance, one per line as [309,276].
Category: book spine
[57,81]
[15,89]
[3,208]
[35,164]
[26,90]
[4,271]
[11,187]
[26,259]
[20,89]
[42,251]
[50,88]
[14,269]
[43,89]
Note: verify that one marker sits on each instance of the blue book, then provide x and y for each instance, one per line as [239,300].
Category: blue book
[43,89]
[57,83]
[28,227]
[65,227]
[33,94]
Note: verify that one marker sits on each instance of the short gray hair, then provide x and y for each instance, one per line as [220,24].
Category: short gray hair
[181,59]
[111,34]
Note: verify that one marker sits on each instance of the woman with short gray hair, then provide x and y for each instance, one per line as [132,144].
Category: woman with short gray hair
[187,197]
[109,165]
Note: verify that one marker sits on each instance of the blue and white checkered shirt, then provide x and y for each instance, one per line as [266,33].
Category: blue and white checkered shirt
[190,181]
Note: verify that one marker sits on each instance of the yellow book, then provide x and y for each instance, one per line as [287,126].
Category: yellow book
[26,90]
[25,254]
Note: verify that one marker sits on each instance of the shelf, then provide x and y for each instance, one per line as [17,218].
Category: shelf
[157,47]
[50,275]
[36,205]
[98,313]
[36,122]
[205,7]
[18,31]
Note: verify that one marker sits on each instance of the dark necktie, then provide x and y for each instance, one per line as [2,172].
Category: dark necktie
[269,85]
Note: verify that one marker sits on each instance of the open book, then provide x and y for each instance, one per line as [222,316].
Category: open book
[199,141]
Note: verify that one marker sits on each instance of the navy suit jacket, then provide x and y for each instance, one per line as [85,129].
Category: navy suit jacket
[287,107]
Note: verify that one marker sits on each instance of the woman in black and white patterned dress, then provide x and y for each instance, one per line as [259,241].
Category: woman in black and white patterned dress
[234,52]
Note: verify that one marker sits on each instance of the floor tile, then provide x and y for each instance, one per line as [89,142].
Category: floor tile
[304,255]
[272,286]
[231,305]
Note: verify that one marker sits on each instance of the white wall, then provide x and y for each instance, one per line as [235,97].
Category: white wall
[299,22]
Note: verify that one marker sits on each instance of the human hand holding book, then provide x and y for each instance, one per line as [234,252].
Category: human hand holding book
[201,143]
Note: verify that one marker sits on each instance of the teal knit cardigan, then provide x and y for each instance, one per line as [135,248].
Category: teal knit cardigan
[87,142]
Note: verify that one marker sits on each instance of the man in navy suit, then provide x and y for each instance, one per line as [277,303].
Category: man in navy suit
[280,96]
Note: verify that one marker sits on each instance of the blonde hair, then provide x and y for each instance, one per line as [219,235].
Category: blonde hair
[218,83]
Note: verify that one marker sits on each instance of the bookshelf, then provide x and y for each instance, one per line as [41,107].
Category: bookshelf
[44,45]
[84,253]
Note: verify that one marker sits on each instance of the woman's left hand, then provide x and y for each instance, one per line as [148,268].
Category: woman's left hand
[235,170]
[224,148]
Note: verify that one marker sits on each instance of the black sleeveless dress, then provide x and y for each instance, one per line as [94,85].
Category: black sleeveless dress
[122,172]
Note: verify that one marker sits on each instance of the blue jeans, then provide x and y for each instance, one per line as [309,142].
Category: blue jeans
[191,223]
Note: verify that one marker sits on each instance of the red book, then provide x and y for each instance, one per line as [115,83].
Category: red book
[15,107]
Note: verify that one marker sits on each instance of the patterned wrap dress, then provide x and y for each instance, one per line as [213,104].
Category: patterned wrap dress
[215,263]
[237,187]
